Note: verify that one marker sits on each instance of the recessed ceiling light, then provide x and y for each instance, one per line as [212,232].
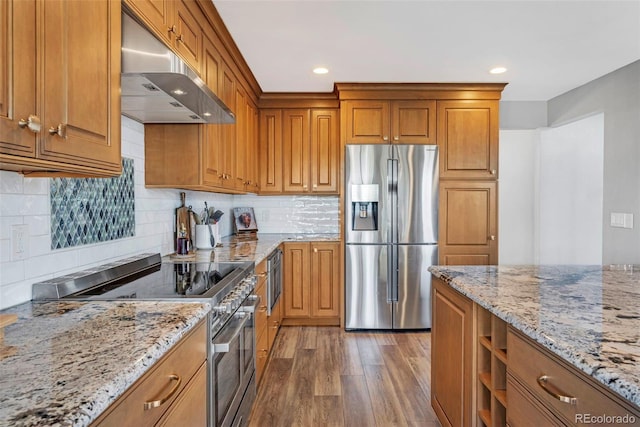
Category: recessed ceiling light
[320,70]
[178,92]
[497,70]
[206,114]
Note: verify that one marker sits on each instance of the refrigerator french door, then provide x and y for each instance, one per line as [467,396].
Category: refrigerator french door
[391,223]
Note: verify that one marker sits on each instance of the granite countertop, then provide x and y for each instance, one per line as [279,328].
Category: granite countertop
[235,248]
[587,315]
[64,363]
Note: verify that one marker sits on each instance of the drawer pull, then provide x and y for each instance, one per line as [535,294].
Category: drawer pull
[162,401]
[543,382]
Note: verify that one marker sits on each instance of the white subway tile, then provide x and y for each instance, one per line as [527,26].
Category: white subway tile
[11,182]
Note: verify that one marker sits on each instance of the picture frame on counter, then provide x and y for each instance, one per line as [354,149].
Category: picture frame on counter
[244,221]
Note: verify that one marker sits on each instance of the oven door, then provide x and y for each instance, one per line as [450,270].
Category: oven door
[228,369]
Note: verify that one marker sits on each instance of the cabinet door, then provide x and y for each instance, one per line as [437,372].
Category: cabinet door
[252,148]
[241,139]
[413,122]
[156,14]
[325,156]
[81,82]
[296,150]
[213,148]
[451,356]
[188,42]
[17,76]
[366,122]
[325,279]
[468,222]
[468,139]
[270,151]
[227,86]
[296,280]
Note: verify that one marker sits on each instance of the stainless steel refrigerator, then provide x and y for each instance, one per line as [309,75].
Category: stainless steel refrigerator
[391,235]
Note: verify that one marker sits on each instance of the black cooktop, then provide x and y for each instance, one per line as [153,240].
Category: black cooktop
[145,277]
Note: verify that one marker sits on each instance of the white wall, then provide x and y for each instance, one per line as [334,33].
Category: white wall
[571,193]
[516,196]
[26,201]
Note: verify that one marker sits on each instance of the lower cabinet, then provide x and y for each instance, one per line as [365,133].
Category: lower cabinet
[451,356]
[266,325]
[486,373]
[311,288]
[544,386]
[175,388]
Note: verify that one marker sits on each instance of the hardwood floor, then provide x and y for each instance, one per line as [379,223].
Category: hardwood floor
[324,376]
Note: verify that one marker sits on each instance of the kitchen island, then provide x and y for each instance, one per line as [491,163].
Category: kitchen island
[64,363]
[585,316]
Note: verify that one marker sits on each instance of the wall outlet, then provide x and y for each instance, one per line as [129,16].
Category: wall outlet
[19,242]
[621,220]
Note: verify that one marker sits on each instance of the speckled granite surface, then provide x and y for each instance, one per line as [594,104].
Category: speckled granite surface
[236,248]
[588,315]
[69,361]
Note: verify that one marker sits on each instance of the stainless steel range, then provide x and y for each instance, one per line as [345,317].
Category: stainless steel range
[227,286]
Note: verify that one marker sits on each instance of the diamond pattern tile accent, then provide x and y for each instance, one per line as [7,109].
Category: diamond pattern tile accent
[92,210]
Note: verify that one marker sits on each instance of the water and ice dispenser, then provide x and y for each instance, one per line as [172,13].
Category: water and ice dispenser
[364,207]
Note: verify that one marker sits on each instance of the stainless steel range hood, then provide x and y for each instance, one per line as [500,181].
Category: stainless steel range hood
[158,87]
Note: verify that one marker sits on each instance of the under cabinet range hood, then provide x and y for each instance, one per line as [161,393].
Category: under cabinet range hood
[158,87]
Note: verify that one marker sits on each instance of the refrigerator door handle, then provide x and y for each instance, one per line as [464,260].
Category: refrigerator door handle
[389,274]
[394,273]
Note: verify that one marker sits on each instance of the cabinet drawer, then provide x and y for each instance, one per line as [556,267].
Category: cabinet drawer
[262,353]
[528,362]
[274,322]
[190,408]
[261,311]
[524,410]
[182,362]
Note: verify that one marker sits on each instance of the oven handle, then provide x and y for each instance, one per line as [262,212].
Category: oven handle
[224,347]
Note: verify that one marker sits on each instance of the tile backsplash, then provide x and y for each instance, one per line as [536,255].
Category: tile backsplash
[27,202]
[92,210]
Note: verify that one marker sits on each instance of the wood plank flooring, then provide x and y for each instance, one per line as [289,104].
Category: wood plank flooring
[324,376]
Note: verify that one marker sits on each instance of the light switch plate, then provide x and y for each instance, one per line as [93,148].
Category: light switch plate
[621,220]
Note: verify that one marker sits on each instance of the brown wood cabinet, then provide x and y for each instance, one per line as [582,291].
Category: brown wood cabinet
[267,326]
[179,379]
[299,151]
[311,283]
[452,350]
[176,22]
[411,121]
[59,95]
[541,378]
[468,139]
[468,223]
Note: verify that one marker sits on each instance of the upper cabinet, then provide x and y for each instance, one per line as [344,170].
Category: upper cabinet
[59,94]
[299,148]
[468,139]
[176,23]
[389,122]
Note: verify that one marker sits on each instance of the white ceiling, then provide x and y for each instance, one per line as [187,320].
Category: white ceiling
[549,47]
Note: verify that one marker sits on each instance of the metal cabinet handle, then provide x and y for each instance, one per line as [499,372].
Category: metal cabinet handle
[492,237]
[172,29]
[315,250]
[262,274]
[543,382]
[179,38]
[395,138]
[32,122]
[493,171]
[57,130]
[263,308]
[276,325]
[163,400]
[385,138]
